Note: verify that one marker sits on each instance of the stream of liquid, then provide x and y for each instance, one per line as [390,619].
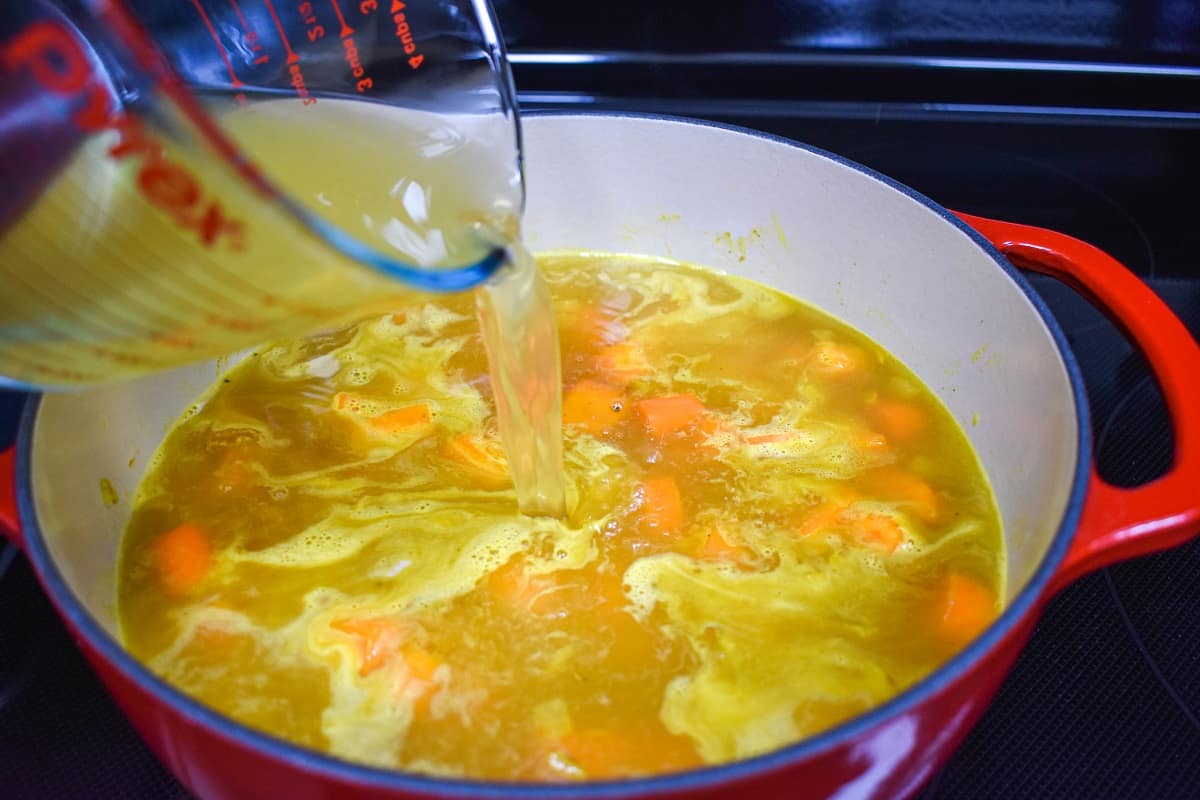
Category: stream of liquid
[521,337]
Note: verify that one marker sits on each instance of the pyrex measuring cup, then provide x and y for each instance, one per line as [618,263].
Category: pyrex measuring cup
[189,178]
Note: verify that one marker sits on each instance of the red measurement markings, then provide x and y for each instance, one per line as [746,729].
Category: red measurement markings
[293,61]
[403,32]
[57,61]
[250,37]
[314,29]
[292,58]
[351,54]
[346,29]
[237,84]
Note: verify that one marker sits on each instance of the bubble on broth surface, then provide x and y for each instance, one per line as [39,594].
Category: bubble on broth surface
[359,376]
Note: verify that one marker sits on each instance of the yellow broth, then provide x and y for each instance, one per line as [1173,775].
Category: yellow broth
[773,526]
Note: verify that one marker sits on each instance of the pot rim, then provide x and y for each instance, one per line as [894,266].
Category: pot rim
[1020,607]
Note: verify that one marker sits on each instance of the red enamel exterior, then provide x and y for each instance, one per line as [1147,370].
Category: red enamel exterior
[9,525]
[891,759]
[1123,523]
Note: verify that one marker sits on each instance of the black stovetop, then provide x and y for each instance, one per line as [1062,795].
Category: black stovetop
[1105,700]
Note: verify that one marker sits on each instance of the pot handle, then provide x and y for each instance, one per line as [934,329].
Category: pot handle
[10,528]
[1119,523]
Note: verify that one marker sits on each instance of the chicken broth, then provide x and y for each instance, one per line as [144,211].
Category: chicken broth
[771,526]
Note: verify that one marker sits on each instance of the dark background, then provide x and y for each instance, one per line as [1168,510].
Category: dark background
[1081,116]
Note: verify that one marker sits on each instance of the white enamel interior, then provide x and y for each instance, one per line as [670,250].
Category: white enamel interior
[797,220]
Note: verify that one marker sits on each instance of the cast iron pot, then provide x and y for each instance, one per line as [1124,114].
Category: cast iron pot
[935,288]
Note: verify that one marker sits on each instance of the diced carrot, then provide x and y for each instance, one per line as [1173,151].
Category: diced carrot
[182,558]
[599,753]
[421,668]
[594,406]
[904,487]
[666,415]
[767,438]
[399,318]
[779,444]
[717,547]
[421,663]
[402,419]
[235,473]
[623,362]
[824,517]
[482,454]
[596,325]
[603,753]
[344,401]
[514,587]
[609,587]
[965,608]
[835,360]
[715,425]
[877,531]
[871,442]
[379,638]
[902,422]
[661,505]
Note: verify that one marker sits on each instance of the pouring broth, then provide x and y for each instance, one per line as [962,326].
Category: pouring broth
[772,526]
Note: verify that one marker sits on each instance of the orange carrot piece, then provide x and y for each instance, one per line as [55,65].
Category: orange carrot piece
[871,442]
[835,360]
[379,639]
[402,419]
[902,422]
[661,505]
[421,663]
[344,401]
[717,547]
[594,406]
[609,587]
[421,667]
[767,438]
[399,318]
[514,587]
[597,325]
[905,487]
[599,753]
[182,558]
[607,754]
[824,517]
[666,415]
[624,361]
[965,608]
[481,454]
[877,531]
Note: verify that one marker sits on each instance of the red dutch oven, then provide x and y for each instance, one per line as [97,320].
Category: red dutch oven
[939,290]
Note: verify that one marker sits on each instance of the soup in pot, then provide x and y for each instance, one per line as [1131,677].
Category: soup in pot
[772,526]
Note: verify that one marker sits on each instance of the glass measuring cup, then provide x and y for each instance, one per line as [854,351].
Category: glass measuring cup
[188,179]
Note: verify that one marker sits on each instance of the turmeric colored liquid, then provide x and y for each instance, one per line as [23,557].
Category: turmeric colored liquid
[772,526]
[117,272]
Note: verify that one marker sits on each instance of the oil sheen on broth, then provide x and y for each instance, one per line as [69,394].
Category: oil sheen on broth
[771,526]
